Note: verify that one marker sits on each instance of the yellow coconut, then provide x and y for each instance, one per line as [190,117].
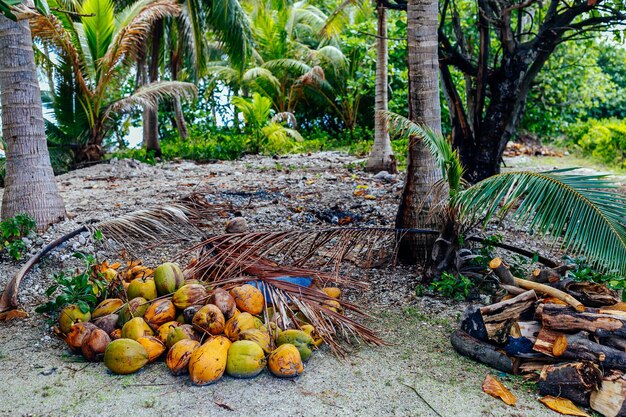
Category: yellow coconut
[248,298]
[136,328]
[125,356]
[106,307]
[188,295]
[178,356]
[257,336]
[209,319]
[238,324]
[153,346]
[285,361]
[208,362]
[159,313]
[245,359]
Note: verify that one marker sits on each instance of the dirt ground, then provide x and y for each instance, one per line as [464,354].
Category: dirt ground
[417,374]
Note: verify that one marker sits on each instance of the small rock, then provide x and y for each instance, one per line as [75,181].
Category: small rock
[385,176]
[81,239]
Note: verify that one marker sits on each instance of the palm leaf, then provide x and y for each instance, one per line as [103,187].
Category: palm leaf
[228,21]
[582,212]
[446,156]
[149,95]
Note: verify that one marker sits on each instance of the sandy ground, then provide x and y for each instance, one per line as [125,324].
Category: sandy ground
[38,375]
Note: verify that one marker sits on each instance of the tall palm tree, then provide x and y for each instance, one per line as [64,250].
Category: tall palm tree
[381,158]
[29,183]
[424,109]
[98,49]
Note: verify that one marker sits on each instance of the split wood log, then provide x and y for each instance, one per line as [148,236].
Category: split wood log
[579,347]
[537,364]
[574,381]
[483,352]
[526,329]
[602,324]
[513,290]
[610,398]
[498,318]
[502,272]
[550,342]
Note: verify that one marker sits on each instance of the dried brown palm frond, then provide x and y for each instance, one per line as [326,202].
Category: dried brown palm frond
[174,222]
[233,259]
[50,29]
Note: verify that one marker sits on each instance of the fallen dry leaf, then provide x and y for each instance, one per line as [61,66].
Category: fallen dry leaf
[563,406]
[13,314]
[496,389]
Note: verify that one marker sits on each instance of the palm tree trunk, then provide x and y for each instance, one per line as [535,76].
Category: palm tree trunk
[29,183]
[381,158]
[175,60]
[150,116]
[424,108]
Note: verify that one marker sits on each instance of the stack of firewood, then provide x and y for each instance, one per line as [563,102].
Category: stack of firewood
[570,335]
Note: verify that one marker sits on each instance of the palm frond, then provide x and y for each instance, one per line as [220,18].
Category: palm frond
[446,156]
[130,39]
[287,65]
[228,21]
[149,95]
[581,212]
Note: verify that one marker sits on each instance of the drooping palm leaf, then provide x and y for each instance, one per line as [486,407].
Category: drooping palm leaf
[149,95]
[582,212]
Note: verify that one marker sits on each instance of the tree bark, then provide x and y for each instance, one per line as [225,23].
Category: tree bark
[381,158]
[179,118]
[150,115]
[29,183]
[566,319]
[424,108]
[483,352]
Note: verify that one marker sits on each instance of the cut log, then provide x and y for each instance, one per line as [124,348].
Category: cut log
[579,347]
[574,381]
[590,294]
[483,352]
[550,342]
[498,318]
[545,275]
[502,272]
[610,398]
[513,290]
[564,318]
[534,365]
[526,329]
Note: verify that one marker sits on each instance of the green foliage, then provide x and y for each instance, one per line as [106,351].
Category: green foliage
[75,288]
[12,230]
[582,212]
[604,140]
[452,286]
[585,272]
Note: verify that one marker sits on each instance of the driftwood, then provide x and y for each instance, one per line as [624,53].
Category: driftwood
[502,272]
[564,318]
[610,398]
[574,381]
[482,352]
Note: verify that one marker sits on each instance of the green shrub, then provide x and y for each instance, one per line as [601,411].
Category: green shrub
[12,230]
[452,286]
[604,140]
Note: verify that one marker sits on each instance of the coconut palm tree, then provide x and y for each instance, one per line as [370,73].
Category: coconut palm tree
[29,183]
[97,50]
[424,109]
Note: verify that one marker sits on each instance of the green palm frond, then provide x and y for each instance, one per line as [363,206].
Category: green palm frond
[99,24]
[582,212]
[149,95]
[446,156]
[287,65]
[228,21]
